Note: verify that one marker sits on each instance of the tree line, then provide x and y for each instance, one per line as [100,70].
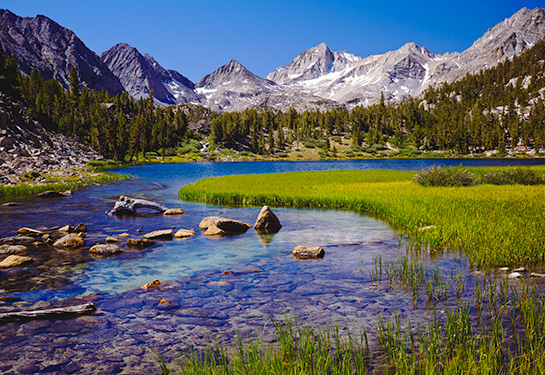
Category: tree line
[495,109]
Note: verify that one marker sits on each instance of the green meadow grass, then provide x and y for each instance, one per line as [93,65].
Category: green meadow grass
[59,184]
[493,225]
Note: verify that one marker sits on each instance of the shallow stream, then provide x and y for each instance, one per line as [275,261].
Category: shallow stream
[215,287]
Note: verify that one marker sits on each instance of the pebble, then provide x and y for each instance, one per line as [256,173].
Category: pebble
[514,275]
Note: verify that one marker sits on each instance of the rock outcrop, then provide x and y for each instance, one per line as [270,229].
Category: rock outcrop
[28,150]
[219,226]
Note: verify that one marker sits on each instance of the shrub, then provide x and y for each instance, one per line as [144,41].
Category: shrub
[512,176]
[437,176]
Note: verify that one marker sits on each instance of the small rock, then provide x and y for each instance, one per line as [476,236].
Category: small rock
[308,252]
[139,243]
[520,269]
[81,228]
[267,222]
[213,230]
[124,235]
[18,240]
[139,230]
[70,241]
[152,284]
[106,250]
[503,269]
[222,283]
[111,239]
[10,204]
[14,261]
[165,234]
[30,232]
[50,194]
[538,275]
[173,211]
[12,249]
[227,225]
[183,233]
[67,229]
[167,304]
[514,275]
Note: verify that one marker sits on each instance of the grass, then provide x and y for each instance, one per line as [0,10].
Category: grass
[505,334]
[494,225]
[58,182]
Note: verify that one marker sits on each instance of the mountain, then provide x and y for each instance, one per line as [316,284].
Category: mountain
[232,87]
[345,78]
[139,74]
[42,44]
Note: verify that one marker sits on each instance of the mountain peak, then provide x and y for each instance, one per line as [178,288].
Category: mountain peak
[232,71]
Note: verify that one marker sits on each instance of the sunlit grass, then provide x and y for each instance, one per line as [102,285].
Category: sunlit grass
[493,225]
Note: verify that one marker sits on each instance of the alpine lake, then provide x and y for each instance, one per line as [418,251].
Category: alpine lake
[215,288]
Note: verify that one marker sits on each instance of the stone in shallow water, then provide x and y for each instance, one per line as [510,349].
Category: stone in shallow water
[70,241]
[173,211]
[106,250]
[152,284]
[226,225]
[12,249]
[267,222]
[111,239]
[308,252]
[139,243]
[14,261]
[182,233]
[165,234]
[30,232]
[514,275]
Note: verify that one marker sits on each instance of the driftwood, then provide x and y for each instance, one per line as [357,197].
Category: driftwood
[126,205]
[88,308]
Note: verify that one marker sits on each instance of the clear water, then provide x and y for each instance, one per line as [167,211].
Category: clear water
[202,303]
[76,274]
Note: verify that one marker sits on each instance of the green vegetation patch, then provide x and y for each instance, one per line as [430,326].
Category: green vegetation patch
[493,224]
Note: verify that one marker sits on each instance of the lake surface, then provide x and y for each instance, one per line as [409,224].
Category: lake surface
[202,301]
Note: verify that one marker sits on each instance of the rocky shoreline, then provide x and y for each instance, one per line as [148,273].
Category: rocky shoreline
[27,148]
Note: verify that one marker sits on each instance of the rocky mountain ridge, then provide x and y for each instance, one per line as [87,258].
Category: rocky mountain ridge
[316,78]
[139,74]
[42,44]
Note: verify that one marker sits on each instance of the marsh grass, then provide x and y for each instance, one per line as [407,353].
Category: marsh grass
[493,225]
[501,331]
[58,183]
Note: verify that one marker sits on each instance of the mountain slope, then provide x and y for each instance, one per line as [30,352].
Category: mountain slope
[345,78]
[42,44]
[232,87]
[139,74]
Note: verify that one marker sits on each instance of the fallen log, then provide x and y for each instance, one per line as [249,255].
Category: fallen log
[126,205]
[88,308]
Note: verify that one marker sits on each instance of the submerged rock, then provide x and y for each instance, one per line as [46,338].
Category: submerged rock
[105,249]
[308,252]
[515,275]
[50,194]
[12,249]
[165,234]
[139,243]
[152,284]
[267,222]
[18,240]
[71,241]
[14,261]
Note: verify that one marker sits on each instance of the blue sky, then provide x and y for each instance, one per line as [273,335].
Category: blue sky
[197,37]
